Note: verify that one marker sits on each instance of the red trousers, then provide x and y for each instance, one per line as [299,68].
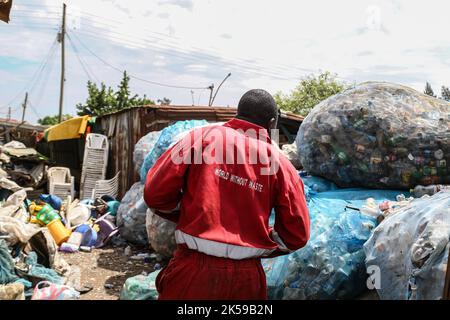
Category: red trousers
[191,275]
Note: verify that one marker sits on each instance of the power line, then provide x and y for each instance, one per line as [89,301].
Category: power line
[34,109]
[83,65]
[195,57]
[33,77]
[132,76]
[214,53]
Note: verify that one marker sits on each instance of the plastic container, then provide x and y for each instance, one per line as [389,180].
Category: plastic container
[52,200]
[58,231]
[75,239]
[78,215]
[89,235]
[47,214]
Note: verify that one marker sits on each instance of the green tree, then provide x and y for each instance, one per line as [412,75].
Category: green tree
[445,93]
[52,120]
[309,92]
[104,100]
[429,90]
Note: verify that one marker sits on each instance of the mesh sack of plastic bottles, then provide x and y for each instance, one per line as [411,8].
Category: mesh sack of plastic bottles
[140,287]
[378,135]
[407,253]
[168,136]
[131,215]
[143,147]
[161,234]
[331,265]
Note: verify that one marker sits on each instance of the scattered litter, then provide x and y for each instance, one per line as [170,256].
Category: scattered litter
[140,287]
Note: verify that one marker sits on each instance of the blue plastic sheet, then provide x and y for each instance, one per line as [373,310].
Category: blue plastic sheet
[165,140]
[331,265]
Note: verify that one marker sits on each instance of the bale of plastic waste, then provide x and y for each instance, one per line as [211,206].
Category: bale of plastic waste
[131,215]
[143,147]
[169,136]
[140,287]
[161,234]
[331,265]
[290,151]
[407,253]
[378,135]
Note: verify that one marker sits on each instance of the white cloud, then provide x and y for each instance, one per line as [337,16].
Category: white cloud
[264,43]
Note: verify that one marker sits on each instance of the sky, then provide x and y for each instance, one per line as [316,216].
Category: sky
[269,44]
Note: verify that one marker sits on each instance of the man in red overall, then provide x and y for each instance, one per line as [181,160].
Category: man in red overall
[219,184]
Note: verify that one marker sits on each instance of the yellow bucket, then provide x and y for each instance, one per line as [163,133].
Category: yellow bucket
[58,231]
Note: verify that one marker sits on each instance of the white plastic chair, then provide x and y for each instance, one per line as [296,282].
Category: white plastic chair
[60,182]
[95,162]
[106,187]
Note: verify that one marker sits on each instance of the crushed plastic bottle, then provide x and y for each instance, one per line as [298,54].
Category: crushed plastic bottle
[419,191]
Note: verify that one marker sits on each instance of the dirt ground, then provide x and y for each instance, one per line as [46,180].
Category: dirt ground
[108,266]
[111,267]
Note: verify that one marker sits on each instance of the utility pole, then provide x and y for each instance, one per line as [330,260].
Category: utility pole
[24,106]
[218,88]
[9,114]
[211,88]
[61,39]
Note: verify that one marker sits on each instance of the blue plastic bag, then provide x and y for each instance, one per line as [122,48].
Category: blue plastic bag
[165,140]
[54,201]
[331,265]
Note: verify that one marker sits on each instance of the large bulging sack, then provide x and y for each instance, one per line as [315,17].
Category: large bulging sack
[407,253]
[378,135]
[131,215]
[161,234]
[143,147]
[169,136]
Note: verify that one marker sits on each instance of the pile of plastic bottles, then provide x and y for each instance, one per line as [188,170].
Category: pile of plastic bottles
[168,136]
[378,135]
[161,234]
[143,147]
[331,265]
[131,215]
[409,250]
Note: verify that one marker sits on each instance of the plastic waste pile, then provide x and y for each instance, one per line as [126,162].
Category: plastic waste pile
[378,135]
[161,234]
[143,147]
[23,165]
[407,253]
[131,215]
[290,151]
[169,136]
[331,265]
[140,287]
[32,231]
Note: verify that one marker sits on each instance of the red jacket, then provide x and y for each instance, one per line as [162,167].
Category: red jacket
[225,208]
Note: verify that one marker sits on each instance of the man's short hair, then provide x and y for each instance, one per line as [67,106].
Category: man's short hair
[257,106]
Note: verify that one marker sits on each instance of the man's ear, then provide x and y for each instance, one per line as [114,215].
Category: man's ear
[272,124]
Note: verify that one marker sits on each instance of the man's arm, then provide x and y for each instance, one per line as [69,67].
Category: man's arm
[292,225]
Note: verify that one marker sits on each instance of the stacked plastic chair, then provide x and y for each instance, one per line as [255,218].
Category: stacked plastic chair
[60,182]
[106,187]
[95,163]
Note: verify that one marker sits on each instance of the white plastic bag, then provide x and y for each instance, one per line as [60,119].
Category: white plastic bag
[45,290]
